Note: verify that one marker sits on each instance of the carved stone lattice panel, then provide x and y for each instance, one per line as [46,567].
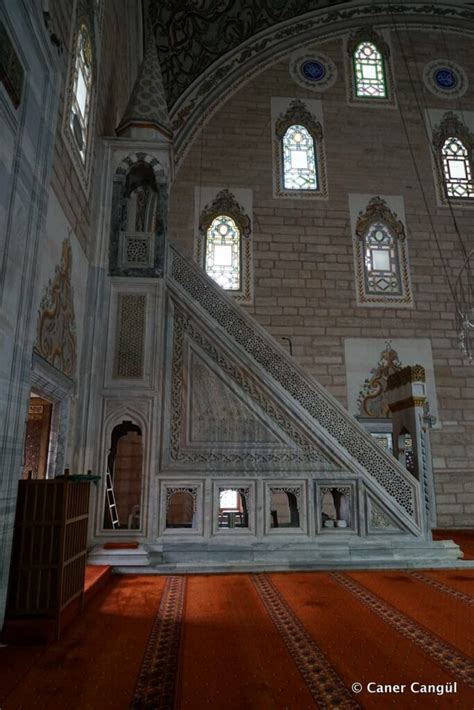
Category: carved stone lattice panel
[304,451]
[372,400]
[378,519]
[130,342]
[136,250]
[311,397]
[193,492]
[56,331]
[217,415]
[344,490]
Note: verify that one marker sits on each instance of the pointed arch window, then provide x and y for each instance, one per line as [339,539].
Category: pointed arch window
[223,246]
[456,168]
[82,91]
[223,251]
[381,257]
[299,160]
[299,153]
[454,144]
[381,260]
[80,102]
[369,71]
[369,68]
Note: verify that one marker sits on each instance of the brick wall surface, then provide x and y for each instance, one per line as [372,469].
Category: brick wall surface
[303,258]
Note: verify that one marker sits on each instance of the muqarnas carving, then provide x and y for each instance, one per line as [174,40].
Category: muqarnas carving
[56,332]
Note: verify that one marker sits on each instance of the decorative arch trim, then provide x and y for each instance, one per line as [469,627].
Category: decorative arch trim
[226,203]
[231,71]
[134,158]
[386,283]
[451,126]
[308,114]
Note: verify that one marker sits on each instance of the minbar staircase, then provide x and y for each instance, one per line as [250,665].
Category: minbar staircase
[321,445]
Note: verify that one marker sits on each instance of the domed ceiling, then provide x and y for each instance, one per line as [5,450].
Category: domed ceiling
[192,34]
[208,48]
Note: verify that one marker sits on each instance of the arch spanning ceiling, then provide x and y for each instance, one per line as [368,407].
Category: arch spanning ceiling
[192,34]
[208,48]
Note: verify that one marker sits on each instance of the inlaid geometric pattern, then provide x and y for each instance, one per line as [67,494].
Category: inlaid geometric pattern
[129,350]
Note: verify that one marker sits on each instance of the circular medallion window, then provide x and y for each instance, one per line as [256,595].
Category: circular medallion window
[445,78]
[313,70]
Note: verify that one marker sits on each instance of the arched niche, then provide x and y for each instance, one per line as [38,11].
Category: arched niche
[138,220]
[124,479]
[284,509]
[336,507]
[233,508]
[180,509]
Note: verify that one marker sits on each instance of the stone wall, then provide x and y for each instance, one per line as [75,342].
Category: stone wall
[116,74]
[46,213]
[303,255]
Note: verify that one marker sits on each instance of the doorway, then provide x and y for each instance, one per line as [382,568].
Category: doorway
[37,437]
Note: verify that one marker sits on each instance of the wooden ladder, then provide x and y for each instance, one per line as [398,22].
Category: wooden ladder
[109,488]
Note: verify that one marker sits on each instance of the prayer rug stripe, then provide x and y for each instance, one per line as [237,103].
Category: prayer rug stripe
[446,655]
[362,647]
[232,655]
[462,580]
[441,616]
[326,687]
[443,588]
[156,685]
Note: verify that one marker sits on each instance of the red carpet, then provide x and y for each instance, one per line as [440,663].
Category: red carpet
[287,641]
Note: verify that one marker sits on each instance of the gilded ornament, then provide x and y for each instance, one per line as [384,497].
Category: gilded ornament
[56,332]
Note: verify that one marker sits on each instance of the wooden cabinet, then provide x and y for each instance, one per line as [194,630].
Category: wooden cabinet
[49,554]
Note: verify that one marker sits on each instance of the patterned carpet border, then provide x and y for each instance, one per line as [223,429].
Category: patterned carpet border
[447,656]
[156,683]
[325,685]
[443,588]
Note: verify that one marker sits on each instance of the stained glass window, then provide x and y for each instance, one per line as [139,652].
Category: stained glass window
[299,161]
[82,87]
[382,272]
[223,252]
[369,72]
[456,169]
